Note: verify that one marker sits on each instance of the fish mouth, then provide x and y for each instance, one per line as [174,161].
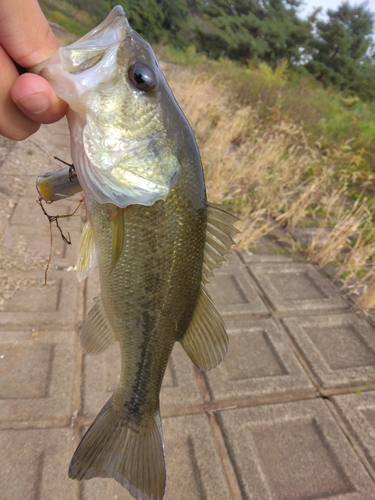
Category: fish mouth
[82,65]
[116,16]
[91,48]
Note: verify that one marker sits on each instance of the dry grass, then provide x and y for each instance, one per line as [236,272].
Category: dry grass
[273,176]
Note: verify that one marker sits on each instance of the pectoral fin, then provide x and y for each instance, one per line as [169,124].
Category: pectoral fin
[117,236]
[205,341]
[220,231]
[96,334]
[87,258]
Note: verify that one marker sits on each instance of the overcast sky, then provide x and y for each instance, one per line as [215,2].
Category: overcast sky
[331,4]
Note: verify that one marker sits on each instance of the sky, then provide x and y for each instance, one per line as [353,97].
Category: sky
[331,4]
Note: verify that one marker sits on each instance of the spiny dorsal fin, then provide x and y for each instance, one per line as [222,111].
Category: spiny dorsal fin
[117,236]
[96,334]
[220,231]
[87,258]
[205,341]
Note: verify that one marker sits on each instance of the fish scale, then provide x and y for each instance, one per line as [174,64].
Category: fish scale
[148,285]
[153,235]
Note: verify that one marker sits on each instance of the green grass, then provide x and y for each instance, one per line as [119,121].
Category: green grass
[67,23]
[330,120]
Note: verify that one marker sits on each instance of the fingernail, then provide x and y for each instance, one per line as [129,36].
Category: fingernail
[36,103]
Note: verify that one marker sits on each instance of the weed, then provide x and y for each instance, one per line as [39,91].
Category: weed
[286,155]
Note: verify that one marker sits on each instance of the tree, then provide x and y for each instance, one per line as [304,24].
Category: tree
[286,34]
[338,51]
[175,20]
[267,30]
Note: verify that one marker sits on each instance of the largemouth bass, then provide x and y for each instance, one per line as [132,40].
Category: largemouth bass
[151,231]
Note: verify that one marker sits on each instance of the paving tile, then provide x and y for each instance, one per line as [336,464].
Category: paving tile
[231,259]
[339,348]
[6,145]
[234,294]
[30,303]
[92,288]
[37,373]
[294,288]
[102,374]
[250,258]
[358,413]
[24,161]
[34,465]
[60,137]
[179,389]
[293,451]
[193,466]
[259,364]
[28,213]
[100,489]
[31,248]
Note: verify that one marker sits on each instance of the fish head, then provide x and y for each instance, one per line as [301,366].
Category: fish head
[119,101]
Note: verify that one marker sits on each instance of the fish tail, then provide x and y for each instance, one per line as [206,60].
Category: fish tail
[133,457]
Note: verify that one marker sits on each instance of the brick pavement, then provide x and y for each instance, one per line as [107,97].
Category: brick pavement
[288,415]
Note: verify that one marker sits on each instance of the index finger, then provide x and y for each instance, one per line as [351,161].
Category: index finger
[26,36]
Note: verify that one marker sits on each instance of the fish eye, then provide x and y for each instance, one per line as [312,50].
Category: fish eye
[142,76]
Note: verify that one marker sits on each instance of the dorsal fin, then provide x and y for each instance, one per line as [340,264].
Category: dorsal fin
[87,258]
[96,334]
[219,237]
[205,341]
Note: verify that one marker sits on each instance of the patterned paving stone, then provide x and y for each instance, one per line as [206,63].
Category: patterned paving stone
[194,470]
[102,374]
[250,258]
[31,250]
[92,288]
[27,302]
[34,465]
[259,364]
[293,451]
[23,163]
[28,213]
[234,294]
[37,373]
[6,145]
[59,137]
[294,288]
[231,259]
[339,348]
[358,413]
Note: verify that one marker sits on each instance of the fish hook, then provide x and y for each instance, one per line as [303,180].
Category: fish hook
[55,219]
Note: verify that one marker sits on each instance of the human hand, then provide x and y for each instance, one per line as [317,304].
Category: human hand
[26,100]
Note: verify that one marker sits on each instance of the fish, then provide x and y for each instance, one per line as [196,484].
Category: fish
[153,235]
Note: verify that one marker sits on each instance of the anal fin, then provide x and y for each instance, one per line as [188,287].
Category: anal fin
[205,341]
[96,334]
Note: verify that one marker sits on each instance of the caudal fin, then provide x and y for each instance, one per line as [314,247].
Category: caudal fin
[134,457]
